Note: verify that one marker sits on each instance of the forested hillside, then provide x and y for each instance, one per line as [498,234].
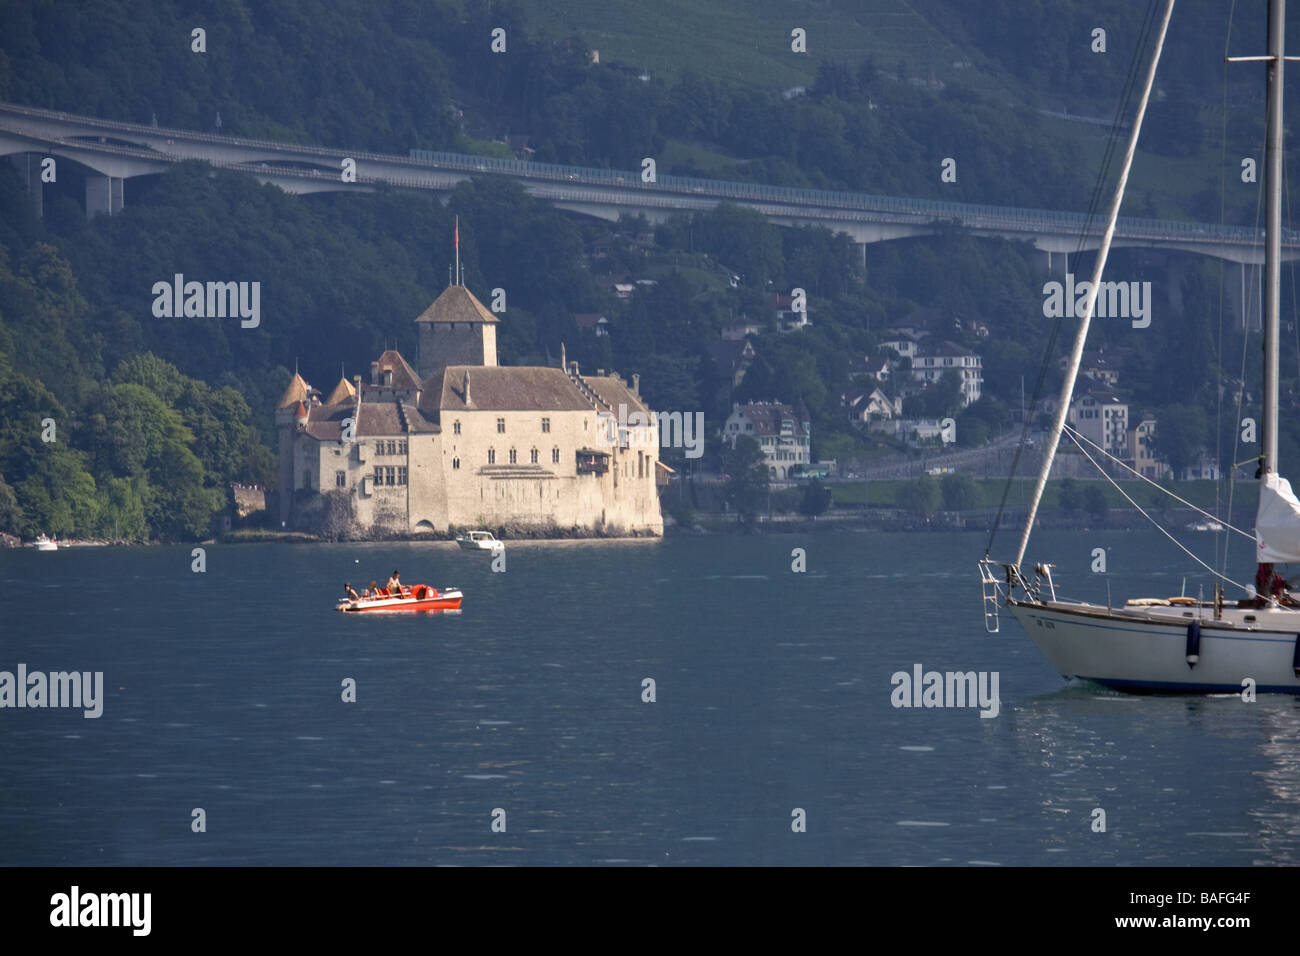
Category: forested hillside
[155,417]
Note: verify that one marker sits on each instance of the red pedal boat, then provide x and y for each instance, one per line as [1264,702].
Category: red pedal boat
[420,597]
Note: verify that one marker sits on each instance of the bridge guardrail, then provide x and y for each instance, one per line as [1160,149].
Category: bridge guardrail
[918,211]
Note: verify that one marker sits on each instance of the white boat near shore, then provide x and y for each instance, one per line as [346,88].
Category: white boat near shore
[479,541]
[45,544]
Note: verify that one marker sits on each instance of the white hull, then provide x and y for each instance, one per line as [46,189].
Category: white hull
[1146,648]
[45,546]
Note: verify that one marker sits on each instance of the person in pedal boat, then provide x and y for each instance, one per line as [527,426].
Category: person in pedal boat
[394,585]
[347,586]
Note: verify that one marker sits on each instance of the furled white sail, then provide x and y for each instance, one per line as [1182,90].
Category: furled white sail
[1277,524]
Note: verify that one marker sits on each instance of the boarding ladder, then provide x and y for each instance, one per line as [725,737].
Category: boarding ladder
[992,596]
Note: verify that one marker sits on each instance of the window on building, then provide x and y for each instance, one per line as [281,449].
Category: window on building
[401,474]
[390,476]
[455,464]
[340,479]
[379,448]
[514,457]
[401,447]
[555,456]
[455,428]
[379,475]
[392,446]
[492,456]
[546,425]
[501,426]
[533,456]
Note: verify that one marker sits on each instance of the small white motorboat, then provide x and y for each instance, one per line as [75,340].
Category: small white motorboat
[479,541]
[43,543]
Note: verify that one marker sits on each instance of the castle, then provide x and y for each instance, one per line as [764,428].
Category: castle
[466,443]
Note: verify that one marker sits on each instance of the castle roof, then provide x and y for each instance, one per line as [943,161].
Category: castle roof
[612,392]
[404,376]
[383,417]
[296,392]
[457,304]
[326,421]
[344,391]
[503,388]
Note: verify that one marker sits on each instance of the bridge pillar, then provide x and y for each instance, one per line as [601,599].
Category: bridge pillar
[29,168]
[1175,273]
[1057,263]
[103,195]
[1244,284]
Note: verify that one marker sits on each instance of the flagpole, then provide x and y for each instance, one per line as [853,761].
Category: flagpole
[458,250]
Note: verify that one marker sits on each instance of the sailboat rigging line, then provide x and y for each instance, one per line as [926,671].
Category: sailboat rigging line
[1153,521]
[1081,337]
[1112,140]
[1076,435]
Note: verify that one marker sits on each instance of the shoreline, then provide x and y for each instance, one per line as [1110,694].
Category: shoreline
[882,520]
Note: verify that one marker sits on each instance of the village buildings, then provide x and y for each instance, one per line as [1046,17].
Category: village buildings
[784,435]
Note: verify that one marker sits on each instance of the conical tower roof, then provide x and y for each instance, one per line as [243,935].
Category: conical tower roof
[343,392]
[457,304]
[296,392]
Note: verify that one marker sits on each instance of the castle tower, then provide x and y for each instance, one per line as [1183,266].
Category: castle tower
[457,329]
[295,396]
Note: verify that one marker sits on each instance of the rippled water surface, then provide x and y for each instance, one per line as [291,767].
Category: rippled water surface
[773,692]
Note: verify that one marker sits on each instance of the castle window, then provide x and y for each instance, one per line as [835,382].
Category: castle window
[492,456]
[389,477]
[401,474]
[379,448]
[392,446]
[401,447]
[546,425]
[379,475]
[501,426]
[534,456]
[455,428]
[340,479]
[555,456]
[514,457]
[455,464]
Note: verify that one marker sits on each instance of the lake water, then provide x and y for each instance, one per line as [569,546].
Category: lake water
[773,692]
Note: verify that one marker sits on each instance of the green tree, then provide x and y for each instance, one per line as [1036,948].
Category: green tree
[1068,496]
[748,481]
[816,498]
[960,492]
[1094,502]
[920,496]
[1180,436]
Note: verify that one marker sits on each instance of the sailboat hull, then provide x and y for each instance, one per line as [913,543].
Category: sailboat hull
[1133,651]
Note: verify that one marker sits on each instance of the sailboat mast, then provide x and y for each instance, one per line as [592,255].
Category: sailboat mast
[1076,354]
[1273,232]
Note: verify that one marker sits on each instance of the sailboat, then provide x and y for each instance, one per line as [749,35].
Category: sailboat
[1178,644]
